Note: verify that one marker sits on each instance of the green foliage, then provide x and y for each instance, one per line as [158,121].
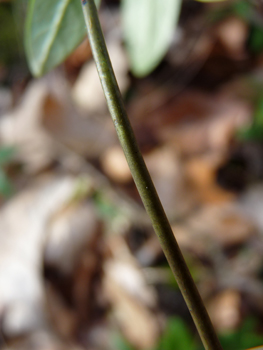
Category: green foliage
[177,336]
[6,188]
[53,30]
[9,47]
[242,8]
[255,131]
[120,343]
[245,10]
[6,155]
[211,0]
[242,339]
[148,29]
[55,27]
[255,40]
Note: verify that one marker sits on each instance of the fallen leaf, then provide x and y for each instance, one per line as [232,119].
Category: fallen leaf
[115,165]
[24,230]
[233,33]
[132,300]
[168,176]
[87,91]
[225,310]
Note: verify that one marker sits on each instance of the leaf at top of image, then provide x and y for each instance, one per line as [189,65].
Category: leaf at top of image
[148,29]
[54,28]
[211,0]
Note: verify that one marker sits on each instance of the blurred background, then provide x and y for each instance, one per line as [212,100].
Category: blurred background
[80,265]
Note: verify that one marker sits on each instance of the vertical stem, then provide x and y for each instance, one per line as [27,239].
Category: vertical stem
[143,180]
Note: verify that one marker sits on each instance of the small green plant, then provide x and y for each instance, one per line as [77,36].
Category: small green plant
[255,130]
[6,156]
[178,336]
[243,338]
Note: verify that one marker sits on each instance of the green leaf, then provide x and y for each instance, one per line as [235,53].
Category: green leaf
[6,188]
[6,155]
[243,9]
[255,131]
[54,28]
[242,339]
[148,29]
[255,39]
[120,343]
[177,336]
[9,48]
[211,0]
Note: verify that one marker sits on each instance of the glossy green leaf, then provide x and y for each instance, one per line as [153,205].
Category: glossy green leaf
[53,30]
[148,29]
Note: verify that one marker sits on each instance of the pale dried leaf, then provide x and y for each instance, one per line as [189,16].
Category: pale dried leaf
[23,232]
[87,91]
[225,310]
[70,232]
[22,129]
[167,173]
[130,296]
[115,165]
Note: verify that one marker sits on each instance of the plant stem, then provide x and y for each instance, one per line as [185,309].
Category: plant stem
[143,180]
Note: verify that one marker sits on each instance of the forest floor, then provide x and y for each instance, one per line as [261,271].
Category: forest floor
[80,265]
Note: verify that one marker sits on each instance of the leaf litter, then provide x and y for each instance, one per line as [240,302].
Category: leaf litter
[79,263]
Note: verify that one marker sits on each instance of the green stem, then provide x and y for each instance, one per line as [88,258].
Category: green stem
[143,180]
